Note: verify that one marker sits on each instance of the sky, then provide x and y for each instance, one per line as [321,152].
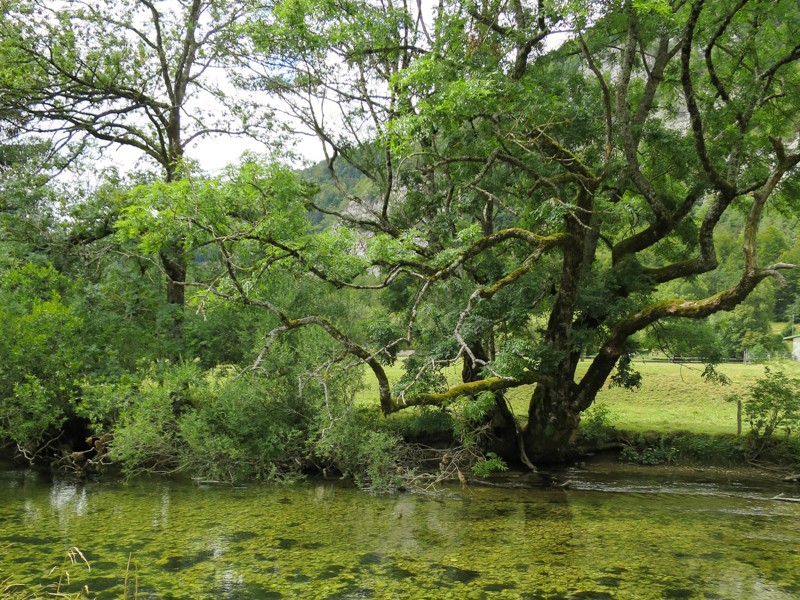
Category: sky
[216,153]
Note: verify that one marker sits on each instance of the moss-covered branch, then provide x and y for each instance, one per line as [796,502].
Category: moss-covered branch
[471,388]
[612,349]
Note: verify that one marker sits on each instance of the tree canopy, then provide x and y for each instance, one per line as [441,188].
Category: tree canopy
[143,75]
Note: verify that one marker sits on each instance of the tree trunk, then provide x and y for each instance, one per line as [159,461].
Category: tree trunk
[503,439]
[469,371]
[552,428]
[174,263]
[175,268]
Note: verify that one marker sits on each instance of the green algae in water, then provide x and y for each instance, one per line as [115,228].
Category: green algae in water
[320,540]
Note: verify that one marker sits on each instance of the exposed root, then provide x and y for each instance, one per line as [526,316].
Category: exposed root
[425,467]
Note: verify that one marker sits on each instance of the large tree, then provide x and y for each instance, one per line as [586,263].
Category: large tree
[146,75]
[526,202]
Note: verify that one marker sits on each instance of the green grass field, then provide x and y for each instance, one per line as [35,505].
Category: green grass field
[676,398]
[672,397]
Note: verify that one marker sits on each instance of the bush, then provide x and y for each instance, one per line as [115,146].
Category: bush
[101,402]
[685,448]
[243,428]
[469,415]
[596,424]
[28,415]
[709,449]
[146,436]
[40,362]
[643,454]
[352,441]
[423,423]
[771,404]
[214,424]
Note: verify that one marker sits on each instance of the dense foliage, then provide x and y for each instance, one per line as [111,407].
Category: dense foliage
[507,188]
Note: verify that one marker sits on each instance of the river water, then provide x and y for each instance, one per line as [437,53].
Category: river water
[614,533]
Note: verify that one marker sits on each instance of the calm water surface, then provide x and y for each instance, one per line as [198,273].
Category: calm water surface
[618,533]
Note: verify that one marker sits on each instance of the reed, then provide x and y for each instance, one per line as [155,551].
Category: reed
[73,557]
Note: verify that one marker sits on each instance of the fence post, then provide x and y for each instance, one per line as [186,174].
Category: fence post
[738,417]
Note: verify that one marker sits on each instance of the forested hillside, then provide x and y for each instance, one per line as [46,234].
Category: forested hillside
[507,188]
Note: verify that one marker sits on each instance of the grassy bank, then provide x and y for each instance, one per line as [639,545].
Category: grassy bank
[672,397]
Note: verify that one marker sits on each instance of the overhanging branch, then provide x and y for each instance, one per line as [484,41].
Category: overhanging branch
[490,384]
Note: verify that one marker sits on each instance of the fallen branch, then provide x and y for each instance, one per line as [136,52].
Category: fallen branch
[782,498]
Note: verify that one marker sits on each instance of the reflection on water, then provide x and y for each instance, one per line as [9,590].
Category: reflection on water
[608,536]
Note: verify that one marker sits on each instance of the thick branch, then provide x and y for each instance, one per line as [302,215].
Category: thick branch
[657,231]
[556,152]
[355,349]
[612,349]
[540,242]
[695,118]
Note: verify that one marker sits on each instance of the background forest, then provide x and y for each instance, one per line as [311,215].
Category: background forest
[507,188]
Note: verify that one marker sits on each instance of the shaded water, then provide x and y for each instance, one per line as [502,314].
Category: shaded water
[611,535]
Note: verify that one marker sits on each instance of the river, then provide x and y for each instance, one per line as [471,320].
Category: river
[615,532]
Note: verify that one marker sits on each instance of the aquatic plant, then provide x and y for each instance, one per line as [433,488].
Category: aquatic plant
[643,453]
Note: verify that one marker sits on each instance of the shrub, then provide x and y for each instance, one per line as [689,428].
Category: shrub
[469,415]
[146,436]
[771,404]
[788,451]
[686,448]
[29,414]
[709,449]
[101,402]
[38,370]
[422,422]
[596,424]
[243,428]
[643,454]
[214,424]
[352,441]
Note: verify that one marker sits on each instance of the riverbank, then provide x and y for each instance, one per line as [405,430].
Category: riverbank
[601,470]
[673,418]
[685,451]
